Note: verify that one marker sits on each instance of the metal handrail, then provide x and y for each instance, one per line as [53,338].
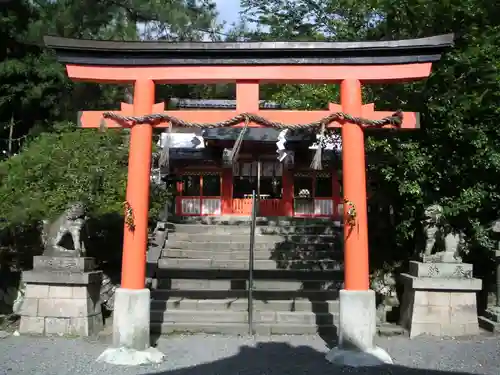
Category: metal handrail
[251,257]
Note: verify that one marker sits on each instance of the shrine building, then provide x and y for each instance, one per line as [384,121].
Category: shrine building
[206,186]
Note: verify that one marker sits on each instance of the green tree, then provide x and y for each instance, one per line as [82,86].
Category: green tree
[30,83]
[126,20]
[312,19]
[34,89]
[453,159]
[61,163]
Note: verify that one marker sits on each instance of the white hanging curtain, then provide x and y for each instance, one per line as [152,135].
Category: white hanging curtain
[181,140]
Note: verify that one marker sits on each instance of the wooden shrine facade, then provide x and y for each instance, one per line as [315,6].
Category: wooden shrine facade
[213,192]
[205,188]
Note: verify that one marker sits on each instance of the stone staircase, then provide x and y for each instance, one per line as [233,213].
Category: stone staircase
[202,277]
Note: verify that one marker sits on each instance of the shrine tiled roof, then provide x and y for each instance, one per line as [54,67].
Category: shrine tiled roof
[214,104]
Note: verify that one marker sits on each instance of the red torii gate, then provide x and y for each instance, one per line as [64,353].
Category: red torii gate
[146,64]
[356,260]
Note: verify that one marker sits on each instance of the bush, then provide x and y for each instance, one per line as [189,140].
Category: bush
[60,167]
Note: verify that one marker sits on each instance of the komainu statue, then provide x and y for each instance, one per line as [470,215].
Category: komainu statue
[72,222]
[436,229]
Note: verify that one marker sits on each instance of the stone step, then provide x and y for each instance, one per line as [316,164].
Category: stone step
[489,325]
[390,329]
[244,246]
[245,238]
[223,237]
[261,285]
[277,221]
[241,304]
[493,314]
[245,254]
[264,329]
[303,265]
[333,230]
[267,295]
[269,317]
[245,229]
[243,274]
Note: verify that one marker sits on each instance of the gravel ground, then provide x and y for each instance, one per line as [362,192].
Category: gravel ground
[222,355]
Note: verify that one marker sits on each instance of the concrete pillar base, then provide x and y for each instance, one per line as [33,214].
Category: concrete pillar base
[356,358]
[131,357]
[131,328]
[131,319]
[357,331]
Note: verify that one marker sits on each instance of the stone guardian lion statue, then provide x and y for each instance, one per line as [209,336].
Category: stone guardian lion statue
[72,222]
[434,229]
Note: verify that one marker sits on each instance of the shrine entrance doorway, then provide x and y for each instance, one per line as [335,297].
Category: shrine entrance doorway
[265,177]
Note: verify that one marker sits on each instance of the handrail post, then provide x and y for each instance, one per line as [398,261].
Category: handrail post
[251,256]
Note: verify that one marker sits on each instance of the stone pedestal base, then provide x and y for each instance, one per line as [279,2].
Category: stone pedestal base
[438,302]
[357,331]
[491,320]
[61,298]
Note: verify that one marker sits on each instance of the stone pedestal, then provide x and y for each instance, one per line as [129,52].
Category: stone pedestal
[62,297]
[440,299]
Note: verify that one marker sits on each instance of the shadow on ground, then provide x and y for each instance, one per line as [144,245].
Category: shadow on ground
[284,359]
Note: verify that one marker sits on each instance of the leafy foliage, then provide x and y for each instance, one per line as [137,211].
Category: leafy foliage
[454,159]
[66,166]
[34,89]
[60,163]
[312,19]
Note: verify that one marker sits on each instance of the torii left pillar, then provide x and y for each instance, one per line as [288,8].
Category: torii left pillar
[133,292]
[131,315]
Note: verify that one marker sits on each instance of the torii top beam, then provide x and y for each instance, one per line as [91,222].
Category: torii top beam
[277,62]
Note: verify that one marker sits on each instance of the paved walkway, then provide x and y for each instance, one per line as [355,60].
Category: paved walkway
[220,355]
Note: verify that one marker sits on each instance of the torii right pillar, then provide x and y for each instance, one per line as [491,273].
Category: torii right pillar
[357,328]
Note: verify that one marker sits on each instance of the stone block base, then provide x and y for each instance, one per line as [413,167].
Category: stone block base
[61,303]
[48,326]
[440,306]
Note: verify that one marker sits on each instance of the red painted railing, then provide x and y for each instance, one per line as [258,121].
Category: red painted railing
[241,206]
[267,207]
[211,206]
[271,207]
